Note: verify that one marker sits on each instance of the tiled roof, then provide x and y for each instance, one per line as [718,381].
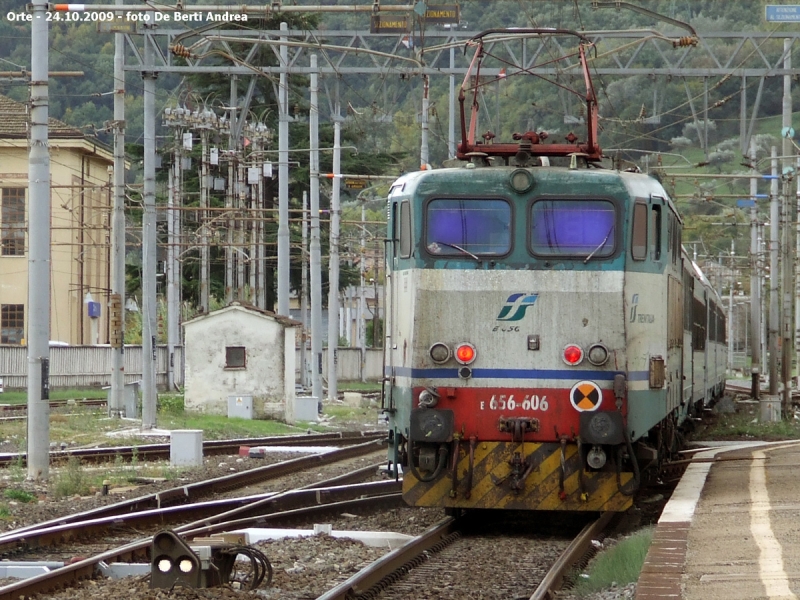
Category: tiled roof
[287,321]
[14,122]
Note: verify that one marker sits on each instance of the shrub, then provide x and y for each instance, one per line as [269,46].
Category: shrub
[72,480]
[18,495]
[172,404]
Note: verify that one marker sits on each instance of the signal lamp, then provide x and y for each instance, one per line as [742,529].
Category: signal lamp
[573,354]
[465,353]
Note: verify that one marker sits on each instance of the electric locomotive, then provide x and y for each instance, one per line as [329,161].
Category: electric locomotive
[537,325]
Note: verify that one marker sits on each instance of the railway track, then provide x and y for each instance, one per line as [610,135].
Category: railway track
[435,565]
[452,560]
[19,411]
[210,448]
[176,505]
[360,497]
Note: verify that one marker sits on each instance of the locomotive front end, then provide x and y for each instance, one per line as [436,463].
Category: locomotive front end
[505,372]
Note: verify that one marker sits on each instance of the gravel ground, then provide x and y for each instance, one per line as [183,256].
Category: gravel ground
[614,593]
[307,567]
[302,568]
[48,506]
[410,521]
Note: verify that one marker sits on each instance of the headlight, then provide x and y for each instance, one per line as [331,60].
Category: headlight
[439,352]
[598,355]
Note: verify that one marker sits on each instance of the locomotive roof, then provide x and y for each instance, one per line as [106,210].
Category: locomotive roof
[638,185]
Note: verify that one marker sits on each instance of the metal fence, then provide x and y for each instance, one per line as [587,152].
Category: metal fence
[90,366]
[348,364]
[85,366]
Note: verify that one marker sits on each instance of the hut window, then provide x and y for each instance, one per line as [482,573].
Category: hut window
[235,357]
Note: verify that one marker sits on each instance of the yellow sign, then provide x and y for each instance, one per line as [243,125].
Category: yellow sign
[353,183]
[444,14]
[389,24]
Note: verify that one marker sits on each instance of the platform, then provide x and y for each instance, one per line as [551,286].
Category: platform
[731,530]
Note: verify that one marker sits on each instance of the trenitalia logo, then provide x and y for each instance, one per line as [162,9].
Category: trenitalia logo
[515,306]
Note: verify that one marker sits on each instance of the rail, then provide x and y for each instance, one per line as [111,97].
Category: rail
[210,447]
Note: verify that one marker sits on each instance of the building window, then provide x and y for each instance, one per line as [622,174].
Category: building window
[235,357]
[12,323]
[12,217]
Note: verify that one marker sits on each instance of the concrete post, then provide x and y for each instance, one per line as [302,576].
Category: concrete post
[755,285]
[333,271]
[283,180]
[117,266]
[149,242]
[314,248]
[774,275]
[38,317]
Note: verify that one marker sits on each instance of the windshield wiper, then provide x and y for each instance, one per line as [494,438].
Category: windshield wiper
[467,252]
[603,243]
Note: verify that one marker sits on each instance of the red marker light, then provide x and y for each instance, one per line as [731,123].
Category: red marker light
[573,354]
[465,353]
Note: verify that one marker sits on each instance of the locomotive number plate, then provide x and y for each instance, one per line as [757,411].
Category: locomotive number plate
[510,402]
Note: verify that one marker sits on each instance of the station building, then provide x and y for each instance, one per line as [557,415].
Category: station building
[80,230]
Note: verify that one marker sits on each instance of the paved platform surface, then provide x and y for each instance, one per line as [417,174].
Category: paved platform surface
[731,530]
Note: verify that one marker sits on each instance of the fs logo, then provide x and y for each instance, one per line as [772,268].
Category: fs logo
[515,306]
[634,303]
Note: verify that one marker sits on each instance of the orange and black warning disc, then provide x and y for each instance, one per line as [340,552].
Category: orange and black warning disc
[585,396]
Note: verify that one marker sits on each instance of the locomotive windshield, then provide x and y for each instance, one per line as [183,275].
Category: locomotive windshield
[467,226]
[585,228]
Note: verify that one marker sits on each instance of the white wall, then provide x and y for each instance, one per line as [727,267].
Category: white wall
[209,383]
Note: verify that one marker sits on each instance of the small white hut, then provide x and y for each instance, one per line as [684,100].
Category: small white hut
[240,353]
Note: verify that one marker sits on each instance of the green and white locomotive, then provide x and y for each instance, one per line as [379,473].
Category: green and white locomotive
[546,335]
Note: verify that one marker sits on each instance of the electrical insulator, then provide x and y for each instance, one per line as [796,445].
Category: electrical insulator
[683,42]
[180,50]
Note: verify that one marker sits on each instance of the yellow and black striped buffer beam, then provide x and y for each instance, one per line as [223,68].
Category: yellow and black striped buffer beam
[490,484]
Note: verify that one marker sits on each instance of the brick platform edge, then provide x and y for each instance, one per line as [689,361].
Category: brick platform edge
[663,566]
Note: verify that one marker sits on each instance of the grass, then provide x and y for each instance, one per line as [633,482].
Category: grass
[746,425]
[84,426]
[220,427]
[616,566]
[18,495]
[21,396]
